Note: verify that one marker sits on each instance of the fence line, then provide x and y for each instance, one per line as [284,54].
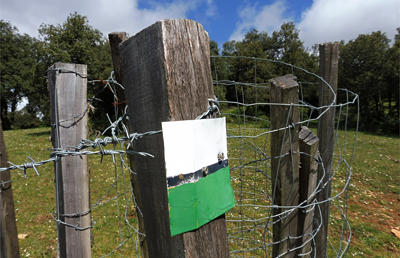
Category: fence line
[85,146]
[245,139]
[258,165]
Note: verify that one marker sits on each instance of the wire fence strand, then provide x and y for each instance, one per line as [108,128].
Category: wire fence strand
[245,106]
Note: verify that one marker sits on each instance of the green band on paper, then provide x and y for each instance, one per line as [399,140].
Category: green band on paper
[192,205]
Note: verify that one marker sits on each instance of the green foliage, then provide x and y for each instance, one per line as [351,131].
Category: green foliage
[282,46]
[17,65]
[24,119]
[24,61]
[369,67]
[75,41]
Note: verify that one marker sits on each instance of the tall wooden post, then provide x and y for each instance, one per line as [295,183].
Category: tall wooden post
[9,247]
[328,68]
[115,39]
[166,72]
[68,98]
[308,143]
[285,162]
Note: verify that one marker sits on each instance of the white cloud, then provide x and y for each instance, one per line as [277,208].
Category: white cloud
[131,19]
[105,15]
[267,18]
[211,8]
[334,20]
[325,20]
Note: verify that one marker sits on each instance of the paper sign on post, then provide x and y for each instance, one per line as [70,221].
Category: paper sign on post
[198,179]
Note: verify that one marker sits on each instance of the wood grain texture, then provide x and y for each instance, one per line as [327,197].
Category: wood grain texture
[308,144]
[166,72]
[9,247]
[68,97]
[285,170]
[115,39]
[328,68]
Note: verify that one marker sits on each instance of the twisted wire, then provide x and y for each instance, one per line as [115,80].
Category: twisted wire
[250,223]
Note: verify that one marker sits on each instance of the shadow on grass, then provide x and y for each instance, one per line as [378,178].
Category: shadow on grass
[314,124]
[382,134]
[44,133]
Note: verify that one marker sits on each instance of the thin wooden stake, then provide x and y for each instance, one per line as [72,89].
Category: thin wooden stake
[68,99]
[308,143]
[285,163]
[9,246]
[166,72]
[328,68]
[115,39]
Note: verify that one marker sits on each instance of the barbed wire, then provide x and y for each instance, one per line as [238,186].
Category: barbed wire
[86,147]
[249,222]
[213,108]
[99,143]
[90,100]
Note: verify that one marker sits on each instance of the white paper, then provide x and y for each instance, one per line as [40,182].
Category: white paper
[191,145]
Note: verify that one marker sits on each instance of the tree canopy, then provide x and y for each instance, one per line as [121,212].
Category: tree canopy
[74,41]
[368,66]
[283,46]
[17,66]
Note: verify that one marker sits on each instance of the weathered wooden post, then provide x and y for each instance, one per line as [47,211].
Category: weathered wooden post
[9,247]
[285,162]
[68,91]
[308,143]
[166,73]
[328,68]
[115,39]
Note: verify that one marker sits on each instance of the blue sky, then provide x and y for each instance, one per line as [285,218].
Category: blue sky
[319,21]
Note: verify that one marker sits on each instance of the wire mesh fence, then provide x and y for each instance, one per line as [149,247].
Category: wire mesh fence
[113,209]
[246,106]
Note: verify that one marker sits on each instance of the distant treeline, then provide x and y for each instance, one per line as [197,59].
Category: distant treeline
[368,66]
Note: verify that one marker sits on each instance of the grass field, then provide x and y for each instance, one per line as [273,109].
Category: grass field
[373,198]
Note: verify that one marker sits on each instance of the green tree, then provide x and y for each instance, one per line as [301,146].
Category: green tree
[287,47]
[367,66]
[75,41]
[391,75]
[247,70]
[283,46]
[17,66]
[218,73]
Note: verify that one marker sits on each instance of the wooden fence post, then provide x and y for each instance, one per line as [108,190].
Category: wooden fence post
[328,68]
[308,143]
[9,247]
[166,73]
[285,169]
[115,39]
[68,98]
